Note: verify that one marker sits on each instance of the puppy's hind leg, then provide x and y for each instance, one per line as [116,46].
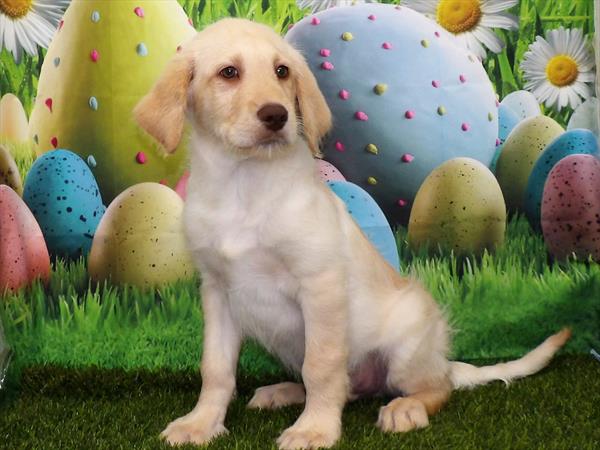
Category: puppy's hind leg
[278,395]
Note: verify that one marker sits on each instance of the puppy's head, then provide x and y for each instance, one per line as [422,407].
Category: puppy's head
[242,84]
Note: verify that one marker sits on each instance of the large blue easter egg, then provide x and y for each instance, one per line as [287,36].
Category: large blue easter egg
[405,98]
[507,120]
[369,217]
[63,195]
[571,142]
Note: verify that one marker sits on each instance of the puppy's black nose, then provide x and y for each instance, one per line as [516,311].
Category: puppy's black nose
[273,116]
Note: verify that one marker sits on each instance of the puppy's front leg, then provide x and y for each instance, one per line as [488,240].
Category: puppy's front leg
[324,370]
[219,361]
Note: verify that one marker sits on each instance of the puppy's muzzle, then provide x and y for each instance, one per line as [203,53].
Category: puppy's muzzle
[273,116]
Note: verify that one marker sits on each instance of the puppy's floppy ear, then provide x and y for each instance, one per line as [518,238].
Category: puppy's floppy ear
[316,116]
[162,111]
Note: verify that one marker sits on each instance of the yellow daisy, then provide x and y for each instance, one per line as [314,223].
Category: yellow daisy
[26,24]
[558,70]
[471,21]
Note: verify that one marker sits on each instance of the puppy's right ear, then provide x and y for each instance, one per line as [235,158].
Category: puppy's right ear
[162,111]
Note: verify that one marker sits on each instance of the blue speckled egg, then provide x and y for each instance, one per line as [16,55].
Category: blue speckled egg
[571,142]
[404,97]
[63,195]
[369,217]
[523,104]
[507,120]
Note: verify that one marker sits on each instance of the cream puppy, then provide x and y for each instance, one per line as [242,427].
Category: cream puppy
[281,259]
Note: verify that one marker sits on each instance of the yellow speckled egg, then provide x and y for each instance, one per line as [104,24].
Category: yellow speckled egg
[140,239]
[9,172]
[458,207]
[521,150]
[14,126]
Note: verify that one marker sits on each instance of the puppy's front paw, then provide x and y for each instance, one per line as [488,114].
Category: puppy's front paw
[304,436]
[402,414]
[192,429]
[277,395]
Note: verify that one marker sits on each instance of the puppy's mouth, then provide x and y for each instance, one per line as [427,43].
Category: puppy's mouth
[275,139]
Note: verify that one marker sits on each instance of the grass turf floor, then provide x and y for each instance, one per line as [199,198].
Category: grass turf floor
[117,409]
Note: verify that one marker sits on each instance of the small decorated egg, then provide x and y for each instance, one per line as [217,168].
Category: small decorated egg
[507,120]
[23,253]
[586,116]
[523,103]
[328,172]
[369,217]
[569,143]
[13,120]
[520,152]
[63,195]
[9,172]
[571,208]
[459,207]
[140,239]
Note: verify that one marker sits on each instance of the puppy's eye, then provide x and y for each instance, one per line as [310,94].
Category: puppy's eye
[282,71]
[229,72]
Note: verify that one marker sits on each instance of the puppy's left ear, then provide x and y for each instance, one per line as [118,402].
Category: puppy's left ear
[316,116]
[162,111]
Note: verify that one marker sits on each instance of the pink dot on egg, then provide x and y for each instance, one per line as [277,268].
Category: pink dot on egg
[435,83]
[48,103]
[344,94]
[54,142]
[402,202]
[326,65]
[139,11]
[498,142]
[407,157]
[141,158]
[465,126]
[360,115]
[339,146]
[409,114]
[437,34]
[60,25]
[462,78]
[94,55]
[315,21]
[325,52]
[386,45]
[372,17]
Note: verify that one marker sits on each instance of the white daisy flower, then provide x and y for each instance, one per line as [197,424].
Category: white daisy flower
[25,24]
[471,21]
[320,5]
[557,69]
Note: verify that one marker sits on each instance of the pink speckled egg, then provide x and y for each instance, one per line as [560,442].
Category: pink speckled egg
[328,172]
[23,252]
[571,208]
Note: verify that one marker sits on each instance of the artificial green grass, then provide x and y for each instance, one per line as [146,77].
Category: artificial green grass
[115,409]
[500,305]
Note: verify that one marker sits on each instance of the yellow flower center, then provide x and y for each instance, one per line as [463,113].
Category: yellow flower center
[562,70]
[458,16]
[15,9]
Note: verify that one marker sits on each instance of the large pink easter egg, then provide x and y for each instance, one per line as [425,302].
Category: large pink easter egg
[328,172]
[23,253]
[571,208]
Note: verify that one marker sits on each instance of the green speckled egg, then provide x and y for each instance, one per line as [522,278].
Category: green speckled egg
[9,172]
[458,207]
[140,239]
[521,150]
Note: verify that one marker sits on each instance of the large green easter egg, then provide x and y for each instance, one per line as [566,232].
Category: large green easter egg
[105,56]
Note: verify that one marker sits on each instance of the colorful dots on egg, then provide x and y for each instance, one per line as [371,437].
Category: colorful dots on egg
[94,55]
[407,158]
[410,114]
[372,17]
[372,181]
[380,88]
[465,126]
[54,142]
[424,43]
[361,115]
[386,45]
[344,94]
[93,103]
[141,158]
[91,161]
[435,83]
[95,17]
[326,65]
[315,21]
[141,49]
[138,11]
[325,52]
[56,61]
[347,36]
[339,146]
[372,148]
[48,103]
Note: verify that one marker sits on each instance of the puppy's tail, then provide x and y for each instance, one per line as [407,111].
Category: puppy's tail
[465,375]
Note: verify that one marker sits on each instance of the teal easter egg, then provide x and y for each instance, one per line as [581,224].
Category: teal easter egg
[63,195]
[369,217]
[569,143]
[404,96]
